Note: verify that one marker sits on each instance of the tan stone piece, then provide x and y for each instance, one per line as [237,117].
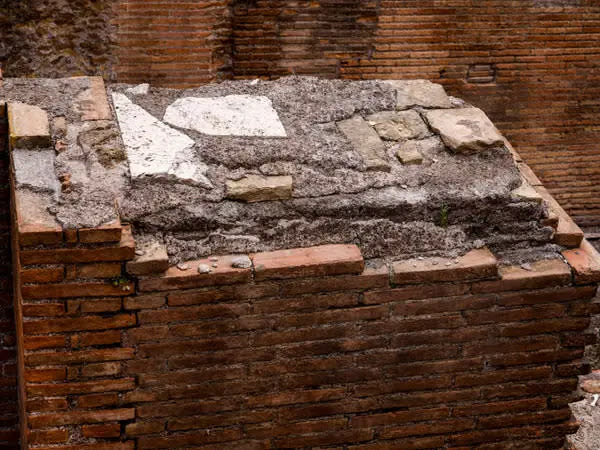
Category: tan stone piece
[28,126]
[366,142]
[92,103]
[464,130]
[408,155]
[527,193]
[420,93]
[154,259]
[399,125]
[257,188]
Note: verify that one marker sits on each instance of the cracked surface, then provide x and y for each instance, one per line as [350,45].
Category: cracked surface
[335,198]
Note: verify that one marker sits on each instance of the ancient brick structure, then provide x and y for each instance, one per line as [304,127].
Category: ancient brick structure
[174,331]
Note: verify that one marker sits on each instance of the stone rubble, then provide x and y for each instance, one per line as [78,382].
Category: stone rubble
[28,125]
[465,130]
[257,188]
[366,141]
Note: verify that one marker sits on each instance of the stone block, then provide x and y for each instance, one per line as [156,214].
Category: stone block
[527,193]
[464,130]
[153,259]
[92,102]
[395,126]
[28,126]
[366,142]
[231,115]
[257,188]
[409,155]
[422,93]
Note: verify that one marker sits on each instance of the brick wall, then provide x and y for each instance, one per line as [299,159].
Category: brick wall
[172,43]
[8,380]
[308,350]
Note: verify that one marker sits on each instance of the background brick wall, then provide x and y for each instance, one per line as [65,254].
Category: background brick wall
[8,381]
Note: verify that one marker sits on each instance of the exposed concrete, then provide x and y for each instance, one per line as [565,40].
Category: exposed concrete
[442,207]
[232,115]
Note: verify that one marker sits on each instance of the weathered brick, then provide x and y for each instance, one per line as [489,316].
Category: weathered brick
[112,354]
[80,417]
[43,275]
[308,262]
[585,261]
[102,431]
[477,264]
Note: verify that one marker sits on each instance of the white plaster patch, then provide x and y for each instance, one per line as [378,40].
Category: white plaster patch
[232,115]
[155,149]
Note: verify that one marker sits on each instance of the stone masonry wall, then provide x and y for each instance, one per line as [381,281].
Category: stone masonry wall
[8,356]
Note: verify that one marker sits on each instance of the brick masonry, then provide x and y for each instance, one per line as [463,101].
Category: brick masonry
[308,350]
[8,356]
[532,66]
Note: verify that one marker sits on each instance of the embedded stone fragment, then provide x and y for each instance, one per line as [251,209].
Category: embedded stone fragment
[366,142]
[156,150]
[257,188]
[140,89]
[395,126]
[419,93]
[92,102]
[232,115]
[28,126]
[241,262]
[465,130]
[34,169]
[152,259]
[409,155]
[527,193]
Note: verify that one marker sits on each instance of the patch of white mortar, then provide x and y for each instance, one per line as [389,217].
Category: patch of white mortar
[232,115]
[155,149]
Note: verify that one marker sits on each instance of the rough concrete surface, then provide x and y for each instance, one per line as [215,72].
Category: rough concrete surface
[441,206]
[587,412]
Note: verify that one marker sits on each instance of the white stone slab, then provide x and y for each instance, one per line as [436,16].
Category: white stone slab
[155,149]
[232,115]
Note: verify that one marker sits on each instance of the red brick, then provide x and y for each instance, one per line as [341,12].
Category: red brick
[106,233]
[87,323]
[52,436]
[99,338]
[585,261]
[415,293]
[512,406]
[97,400]
[370,278]
[438,427]
[308,262]
[123,252]
[80,417]
[43,275]
[31,235]
[102,431]
[84,387]
[65,290]
[98,270]
[543,274]
[39,342]
[476,264]
[47,358]
[145,302]
[43,310]
[41,375]
[142,428]
[175,278]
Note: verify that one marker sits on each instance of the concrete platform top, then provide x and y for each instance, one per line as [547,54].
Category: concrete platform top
[399,168]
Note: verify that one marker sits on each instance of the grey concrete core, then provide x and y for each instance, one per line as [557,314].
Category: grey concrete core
[439,207]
